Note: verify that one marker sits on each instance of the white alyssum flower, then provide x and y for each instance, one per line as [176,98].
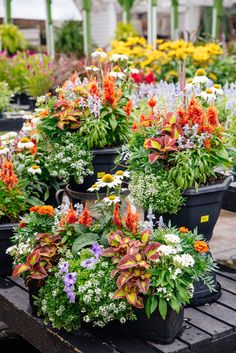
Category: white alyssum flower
[99,53]
[176,273]
[185,260]
[166,250]
[111,200]
[25,143]
[28,116]
[26,127]
[92,68]
[35,121]
[35,169]
[117,57]
[172,238]
[41,99]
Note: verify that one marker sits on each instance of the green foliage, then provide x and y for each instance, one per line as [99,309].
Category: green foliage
[124,31]
[69,38]
[5,96]
[12,39]
[155,191]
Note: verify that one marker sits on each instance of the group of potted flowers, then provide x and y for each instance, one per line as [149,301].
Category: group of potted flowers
[103,267]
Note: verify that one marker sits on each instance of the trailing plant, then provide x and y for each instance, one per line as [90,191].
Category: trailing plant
[11,38]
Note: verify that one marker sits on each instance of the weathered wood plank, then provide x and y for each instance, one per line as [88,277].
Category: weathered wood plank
[175,347]
[220,312]
[231,274]
[194,338]
[226,345]
[208,324]
[227,284]
[15,312]
[228,299]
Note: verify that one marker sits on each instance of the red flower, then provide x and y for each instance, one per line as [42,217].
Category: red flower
[128,107]
[71,216]
[7,174]
[212,117]
[85,218]
[150,78]
[135,127]
[109,95]
[152,102]
[116,216]
[131,220]
[138,78]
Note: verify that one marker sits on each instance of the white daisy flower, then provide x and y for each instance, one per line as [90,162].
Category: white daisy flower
[26,127]
[94,187]
[217,90]
[109,180]
[25,143]
[9,136]
[117,74]
[111,200]
[208,95]
[4,150]
[92,68]
[122,174]
[172,238]
[35,169]
[99,53]
[117,57]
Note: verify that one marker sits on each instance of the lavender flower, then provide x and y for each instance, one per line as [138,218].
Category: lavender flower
[88,263]
[97,250]
[71,297]
[64,267]
[69,279]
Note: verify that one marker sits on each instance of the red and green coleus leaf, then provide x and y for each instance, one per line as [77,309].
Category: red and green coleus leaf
[119,294]
[124,277]
[153,142]
[115,239]
[128,261]
[135,300]
[19,269]
[38,272]
[33,258]
[143,284]
[153,157]
[145,235]
[48,251]
[108,252]
[151,251]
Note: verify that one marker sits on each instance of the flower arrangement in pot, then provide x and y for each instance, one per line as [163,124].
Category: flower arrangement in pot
[87,120]
[174,157]
[111,275]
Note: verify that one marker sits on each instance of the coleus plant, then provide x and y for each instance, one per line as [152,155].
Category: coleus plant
[41,259]
[133,258]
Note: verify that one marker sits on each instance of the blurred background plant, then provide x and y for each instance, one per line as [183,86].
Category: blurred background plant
[5,96]
[12,39]
[69,38]
[124,31]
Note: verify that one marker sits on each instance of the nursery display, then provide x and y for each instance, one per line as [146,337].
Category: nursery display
[110,270]
[88,120]
[5,97]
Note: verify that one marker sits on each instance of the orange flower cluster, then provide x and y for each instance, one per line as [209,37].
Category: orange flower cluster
[117,220]
[43,210]
[201,246]
[128,107]
[109,91]
[85,218]
[183,230]
[131,220]
[93,88]
[7,174]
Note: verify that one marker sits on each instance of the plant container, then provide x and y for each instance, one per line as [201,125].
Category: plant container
[201,209]
[32,103]
[153,329]
[6,232]
[23,99]
[103,162]
[33,288]
[229,200]
[2,115]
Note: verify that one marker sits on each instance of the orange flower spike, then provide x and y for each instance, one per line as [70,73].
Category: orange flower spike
[183,230]
[131,220]
[7,174]
[93,88]
[128,107]
[152,102]
[71,216]
[109,95]
[85,218]
[116,216]
[212,117]
[201,246]
[207,144]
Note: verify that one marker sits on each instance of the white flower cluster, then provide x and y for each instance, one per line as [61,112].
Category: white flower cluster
[166,250]
[184,260]
[172,239]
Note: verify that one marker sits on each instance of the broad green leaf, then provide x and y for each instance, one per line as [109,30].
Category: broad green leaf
[83,241]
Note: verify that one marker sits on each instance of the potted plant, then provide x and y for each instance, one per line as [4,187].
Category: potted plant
[13,202]
[5,97]
[95,115]
[110,276]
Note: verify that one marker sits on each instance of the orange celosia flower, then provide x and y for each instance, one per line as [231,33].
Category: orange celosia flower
[85,218]
[207,144]
[117,220]
[109,94]
[135,127]
[195,113]
[128,107]
[71,216]
[212,117]
[131,220]
[7,174]
[183,230]
[93,88]
[183,119]
[43,210]
[152,102]
[201,246]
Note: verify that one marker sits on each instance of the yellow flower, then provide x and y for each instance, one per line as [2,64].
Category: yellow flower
[200,72]
[212,76]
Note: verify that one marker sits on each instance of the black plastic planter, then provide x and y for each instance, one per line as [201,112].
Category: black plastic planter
[103,162]
[2,115]
[6,232]
[229,201]
[154,329]
[34,287]
[23,99]
[32,103]
[202,295]
[201,209]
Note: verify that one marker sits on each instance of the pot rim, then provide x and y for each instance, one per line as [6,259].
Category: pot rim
[112,150]
[210,188]
[6,226]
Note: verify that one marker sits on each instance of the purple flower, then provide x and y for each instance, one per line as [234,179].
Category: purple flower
[69,288]
[88,263]
[71,297]
[96,248]
[64,267]
[69,279]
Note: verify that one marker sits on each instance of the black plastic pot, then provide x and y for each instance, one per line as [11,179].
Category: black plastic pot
[154,329]
[2,115]
[229,200]
[201,209]
[6,232]
[34,287]
[103,162]
[14,99]
[32,103]
[202,295]
[23,99]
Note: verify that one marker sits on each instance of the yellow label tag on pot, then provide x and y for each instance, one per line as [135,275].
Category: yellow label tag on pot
[204,219]
[100,175]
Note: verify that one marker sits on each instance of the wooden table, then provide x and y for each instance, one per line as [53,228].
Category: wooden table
[207,329]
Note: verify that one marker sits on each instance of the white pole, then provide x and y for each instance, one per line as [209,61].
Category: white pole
[149,22]
[154,26]
[214,19]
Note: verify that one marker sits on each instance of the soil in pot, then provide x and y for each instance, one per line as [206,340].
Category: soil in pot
[201,209]
[103,162]
[6,232]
